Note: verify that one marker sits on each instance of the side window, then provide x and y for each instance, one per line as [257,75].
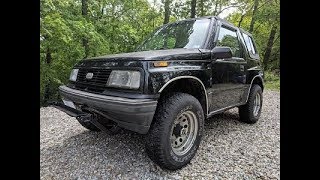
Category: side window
[229,38]
[249,44]
[254,49]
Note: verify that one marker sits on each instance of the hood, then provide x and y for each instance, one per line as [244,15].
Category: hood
[168,54]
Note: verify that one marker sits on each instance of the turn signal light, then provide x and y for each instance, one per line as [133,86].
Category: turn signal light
[160,64]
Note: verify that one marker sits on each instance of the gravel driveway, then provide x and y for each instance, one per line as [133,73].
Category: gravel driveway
[229,149]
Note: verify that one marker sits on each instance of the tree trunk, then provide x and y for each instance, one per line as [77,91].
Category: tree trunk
[253,19]
[166,11]
[201,8]
[153,12]
[102,10]
[215,8]
[84,39]
[48,56]
[193,8]
[86,47]
[219,9]
[267,53]
[241,19]
[46,95]
[84,7]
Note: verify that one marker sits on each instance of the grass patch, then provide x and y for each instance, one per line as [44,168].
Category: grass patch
[272,81]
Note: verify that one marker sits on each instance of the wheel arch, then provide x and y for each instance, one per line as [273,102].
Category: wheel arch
[190,85]
[257,79]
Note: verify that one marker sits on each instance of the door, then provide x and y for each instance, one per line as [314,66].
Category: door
[228,75]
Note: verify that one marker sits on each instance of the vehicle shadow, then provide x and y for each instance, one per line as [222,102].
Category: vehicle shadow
[111,155]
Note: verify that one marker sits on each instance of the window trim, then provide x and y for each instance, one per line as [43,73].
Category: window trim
[254,44]
[211,33]
[249,45]
[231,28]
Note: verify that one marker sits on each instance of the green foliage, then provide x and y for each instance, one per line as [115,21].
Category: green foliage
[272,80]
[114,26]
[268,15]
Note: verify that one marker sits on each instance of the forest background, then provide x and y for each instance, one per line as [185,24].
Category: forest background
[71,30]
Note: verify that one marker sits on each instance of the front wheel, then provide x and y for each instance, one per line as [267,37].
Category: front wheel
[176,131]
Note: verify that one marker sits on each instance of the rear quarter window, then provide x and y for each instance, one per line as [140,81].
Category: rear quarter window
[250,46]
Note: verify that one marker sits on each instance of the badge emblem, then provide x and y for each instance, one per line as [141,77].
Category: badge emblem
[89,75]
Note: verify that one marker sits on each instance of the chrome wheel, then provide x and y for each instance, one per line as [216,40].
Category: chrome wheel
[184,132]
[256,104]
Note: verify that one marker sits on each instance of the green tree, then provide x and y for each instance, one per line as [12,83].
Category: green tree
[71,30]
[166,11]
[265,28]
[193,8]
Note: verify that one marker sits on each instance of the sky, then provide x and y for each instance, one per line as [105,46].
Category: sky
[224,14]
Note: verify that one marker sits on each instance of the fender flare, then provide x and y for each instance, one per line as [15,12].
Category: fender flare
[187,77]
[256,76]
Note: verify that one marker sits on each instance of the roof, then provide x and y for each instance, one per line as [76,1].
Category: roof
[246,32]
[217,18]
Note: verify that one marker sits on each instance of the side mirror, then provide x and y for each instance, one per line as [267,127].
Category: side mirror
[221,52]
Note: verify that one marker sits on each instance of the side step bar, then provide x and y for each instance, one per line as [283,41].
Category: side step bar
[81,116]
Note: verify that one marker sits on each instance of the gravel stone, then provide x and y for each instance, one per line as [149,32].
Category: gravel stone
[229,149]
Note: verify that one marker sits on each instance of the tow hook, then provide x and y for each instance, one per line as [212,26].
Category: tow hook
[80,115]
[90,118]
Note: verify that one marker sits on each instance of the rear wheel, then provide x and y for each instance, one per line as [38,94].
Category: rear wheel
[176,131]
[251,111]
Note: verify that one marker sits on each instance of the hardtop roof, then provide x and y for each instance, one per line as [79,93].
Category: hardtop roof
[217,18]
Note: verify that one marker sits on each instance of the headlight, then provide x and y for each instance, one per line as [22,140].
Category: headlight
[124,79]
[74,74]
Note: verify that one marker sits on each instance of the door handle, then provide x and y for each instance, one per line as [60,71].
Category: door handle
[238,59]
[228,60]
[231,60]
[242,68]
[220,60]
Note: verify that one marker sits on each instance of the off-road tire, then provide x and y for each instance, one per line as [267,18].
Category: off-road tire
[246,111]
[158,145]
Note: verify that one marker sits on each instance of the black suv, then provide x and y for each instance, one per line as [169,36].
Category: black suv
[182,74]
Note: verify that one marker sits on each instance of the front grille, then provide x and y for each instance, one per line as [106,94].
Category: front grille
[97,83]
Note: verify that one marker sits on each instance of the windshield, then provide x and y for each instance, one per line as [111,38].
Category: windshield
[183,34]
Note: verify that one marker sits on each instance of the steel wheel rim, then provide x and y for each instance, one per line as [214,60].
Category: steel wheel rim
[184,132]
[256,104]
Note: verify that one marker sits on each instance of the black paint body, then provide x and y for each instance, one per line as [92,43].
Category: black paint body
[226,82]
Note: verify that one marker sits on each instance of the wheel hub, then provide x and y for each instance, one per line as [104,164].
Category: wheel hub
[256,104]
[183,132]
[177,130]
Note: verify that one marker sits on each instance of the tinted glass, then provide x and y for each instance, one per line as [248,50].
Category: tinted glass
[254,51]
[184,34]
[249,43]
[229,38]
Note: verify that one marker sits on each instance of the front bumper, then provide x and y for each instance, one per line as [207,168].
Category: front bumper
[132,114]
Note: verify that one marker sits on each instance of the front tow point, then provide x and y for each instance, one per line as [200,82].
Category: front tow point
[90,118]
